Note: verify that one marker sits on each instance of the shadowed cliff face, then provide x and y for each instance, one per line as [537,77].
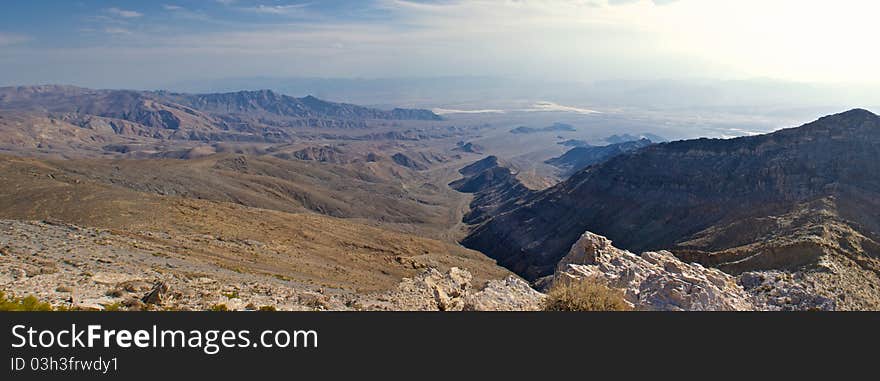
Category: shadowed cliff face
[667,194]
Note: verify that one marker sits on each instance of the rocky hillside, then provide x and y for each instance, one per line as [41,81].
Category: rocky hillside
[168,219]
[789,200]
[107,269]
[495,188]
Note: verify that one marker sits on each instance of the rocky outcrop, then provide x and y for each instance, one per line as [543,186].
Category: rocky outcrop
[509,294]
[158,294]
[660,281]
[653,280]
[784,291]
[453,291]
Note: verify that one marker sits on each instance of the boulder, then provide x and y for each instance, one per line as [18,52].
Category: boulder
[158,294]
[510,294]
[783,291]
[433,290]
[653,280]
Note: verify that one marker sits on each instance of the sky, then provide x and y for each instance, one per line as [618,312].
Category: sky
[151,44]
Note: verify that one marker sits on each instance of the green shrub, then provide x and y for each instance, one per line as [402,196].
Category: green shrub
[219,307]
[28,303]
[584,295]
[231,295]
[267,308]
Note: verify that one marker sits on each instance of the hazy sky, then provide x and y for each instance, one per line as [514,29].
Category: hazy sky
[149,44]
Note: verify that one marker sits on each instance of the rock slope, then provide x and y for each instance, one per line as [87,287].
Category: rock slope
[494,186]
[789,201]
[97,269]
[453,291]
[658,281]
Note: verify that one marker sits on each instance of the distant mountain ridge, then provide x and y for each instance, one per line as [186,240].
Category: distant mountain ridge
[240,116]
[616,139]
[269,102]
[579,158]
[556,127]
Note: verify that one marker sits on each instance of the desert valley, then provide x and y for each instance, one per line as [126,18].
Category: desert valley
[137,200]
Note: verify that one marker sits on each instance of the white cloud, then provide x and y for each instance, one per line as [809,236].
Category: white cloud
[117,31]
[171,7]
[277,9]
[576,40]
[12,39]
[124,13]
[785,39]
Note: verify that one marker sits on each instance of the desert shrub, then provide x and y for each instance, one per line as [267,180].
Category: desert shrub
[267,308]
[584,295]
[231,295]
[219,307]
[28,303]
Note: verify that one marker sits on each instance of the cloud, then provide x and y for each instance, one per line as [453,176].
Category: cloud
[117,31]
[124,13]
[626,2]
[12,39]
[568,41]
[276,9]
[171,7]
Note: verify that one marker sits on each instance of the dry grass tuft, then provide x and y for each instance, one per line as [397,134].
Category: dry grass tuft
[585,295]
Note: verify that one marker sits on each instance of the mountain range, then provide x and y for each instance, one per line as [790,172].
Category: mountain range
[240,116]
[796,199]
[301,202]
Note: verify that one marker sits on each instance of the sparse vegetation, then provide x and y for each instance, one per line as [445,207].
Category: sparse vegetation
[267,308]
[219,307]
[585,295]
[231,295]
[28,303]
